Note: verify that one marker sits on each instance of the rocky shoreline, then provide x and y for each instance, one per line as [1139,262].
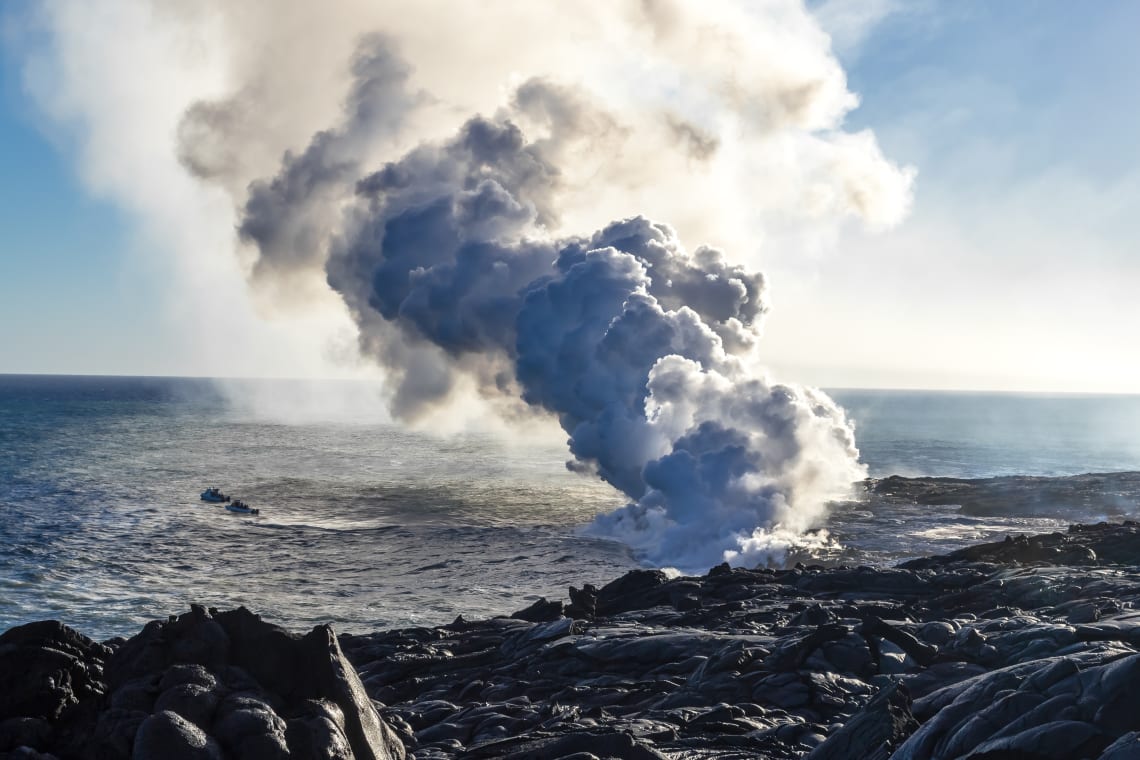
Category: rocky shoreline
[1028,647]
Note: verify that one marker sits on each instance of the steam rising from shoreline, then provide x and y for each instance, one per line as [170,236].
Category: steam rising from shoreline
[497,239]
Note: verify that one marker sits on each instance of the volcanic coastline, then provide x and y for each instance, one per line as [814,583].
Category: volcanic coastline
[1027,647]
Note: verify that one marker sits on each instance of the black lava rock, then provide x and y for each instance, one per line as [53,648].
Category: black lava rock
[1028,647]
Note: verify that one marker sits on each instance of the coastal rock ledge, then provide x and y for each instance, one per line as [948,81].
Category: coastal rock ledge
[1023,648]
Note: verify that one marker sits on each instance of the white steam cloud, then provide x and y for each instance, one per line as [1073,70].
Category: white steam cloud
[473,188]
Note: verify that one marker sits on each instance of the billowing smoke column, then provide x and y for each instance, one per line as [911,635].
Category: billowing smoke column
[726,118]
[637,345]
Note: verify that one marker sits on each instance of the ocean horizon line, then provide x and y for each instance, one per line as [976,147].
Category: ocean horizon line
[358,380]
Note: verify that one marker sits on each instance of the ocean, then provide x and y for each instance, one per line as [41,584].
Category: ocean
[369,525]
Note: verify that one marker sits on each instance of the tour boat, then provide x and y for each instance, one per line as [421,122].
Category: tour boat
[242,508]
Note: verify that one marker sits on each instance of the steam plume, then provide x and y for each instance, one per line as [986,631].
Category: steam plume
[634,343]
[492,231]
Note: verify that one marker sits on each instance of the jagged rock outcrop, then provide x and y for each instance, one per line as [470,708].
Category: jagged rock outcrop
[203,685]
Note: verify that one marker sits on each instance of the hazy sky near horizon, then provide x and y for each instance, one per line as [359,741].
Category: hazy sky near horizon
[1015,268]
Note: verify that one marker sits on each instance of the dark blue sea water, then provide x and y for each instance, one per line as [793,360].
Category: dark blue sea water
[369,525]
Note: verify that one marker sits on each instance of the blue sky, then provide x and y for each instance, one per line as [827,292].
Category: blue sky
[1021,119]
[70,299]
[1051,80]
[1015,270]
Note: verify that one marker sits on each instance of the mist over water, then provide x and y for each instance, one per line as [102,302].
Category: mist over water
[644,351]
[559,217]
[482,258]
[370,525]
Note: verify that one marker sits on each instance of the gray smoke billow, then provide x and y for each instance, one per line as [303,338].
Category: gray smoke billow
[283,216]
[641,348]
